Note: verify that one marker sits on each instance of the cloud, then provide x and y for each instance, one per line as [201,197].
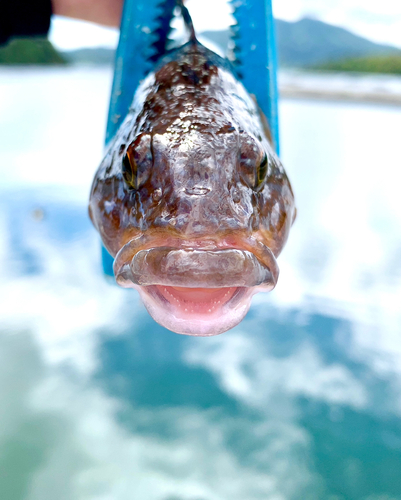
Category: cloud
[72,442]
[248,371]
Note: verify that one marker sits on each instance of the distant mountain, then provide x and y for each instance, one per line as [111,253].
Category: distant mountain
[30,51]
[90,56]
[390,64]
[310,42]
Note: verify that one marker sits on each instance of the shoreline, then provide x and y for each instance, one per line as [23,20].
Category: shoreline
[293,92]
[340,86]
[292,84]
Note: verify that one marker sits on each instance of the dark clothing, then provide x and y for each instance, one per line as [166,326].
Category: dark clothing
[24,18]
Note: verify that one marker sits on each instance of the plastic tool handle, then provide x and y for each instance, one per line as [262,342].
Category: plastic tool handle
[256,56]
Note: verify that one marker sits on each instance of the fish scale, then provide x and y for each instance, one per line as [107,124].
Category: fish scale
[144,36]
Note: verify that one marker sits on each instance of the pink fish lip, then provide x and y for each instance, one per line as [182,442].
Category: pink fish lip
[187,311]
[196,264]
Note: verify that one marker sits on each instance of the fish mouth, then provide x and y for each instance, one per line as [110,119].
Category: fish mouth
[196,290]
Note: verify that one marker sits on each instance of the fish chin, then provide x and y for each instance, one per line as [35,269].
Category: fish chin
[197,311]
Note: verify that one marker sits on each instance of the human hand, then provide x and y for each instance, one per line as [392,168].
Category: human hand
[106,12]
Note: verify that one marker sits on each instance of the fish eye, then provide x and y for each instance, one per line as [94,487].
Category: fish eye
[137,162]
[261,171]
[253,164]
[130,170]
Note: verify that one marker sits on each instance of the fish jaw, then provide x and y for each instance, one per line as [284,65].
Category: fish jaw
[197,311]
[200,290]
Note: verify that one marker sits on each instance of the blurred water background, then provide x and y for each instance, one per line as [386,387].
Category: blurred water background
[301,401]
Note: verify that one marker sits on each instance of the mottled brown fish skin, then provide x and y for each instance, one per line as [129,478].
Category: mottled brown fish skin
[204,167]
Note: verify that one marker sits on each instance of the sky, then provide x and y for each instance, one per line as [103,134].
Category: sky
[379,21]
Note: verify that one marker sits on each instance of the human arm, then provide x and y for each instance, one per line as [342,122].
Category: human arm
[105,12]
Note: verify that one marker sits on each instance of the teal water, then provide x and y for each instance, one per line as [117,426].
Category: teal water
[97,402]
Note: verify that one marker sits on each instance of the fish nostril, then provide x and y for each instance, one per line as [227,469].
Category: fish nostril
[197,191]
[236,196]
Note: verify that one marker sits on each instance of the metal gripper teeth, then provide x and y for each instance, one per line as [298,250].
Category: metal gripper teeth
[163,29]
[234,53]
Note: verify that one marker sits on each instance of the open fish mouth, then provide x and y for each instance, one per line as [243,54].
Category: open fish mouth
[197,291]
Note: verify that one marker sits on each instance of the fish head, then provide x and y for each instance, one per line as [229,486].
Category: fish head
[195,210]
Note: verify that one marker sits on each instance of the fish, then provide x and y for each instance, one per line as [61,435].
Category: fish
[191,199]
